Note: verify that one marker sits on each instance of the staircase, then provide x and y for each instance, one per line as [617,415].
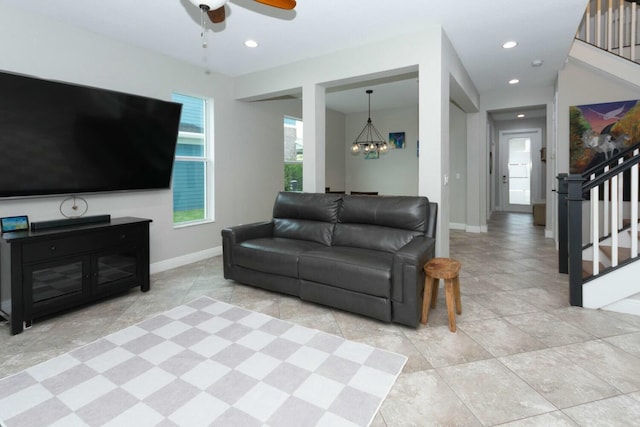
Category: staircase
[598,221]
[612,25]
[598,209]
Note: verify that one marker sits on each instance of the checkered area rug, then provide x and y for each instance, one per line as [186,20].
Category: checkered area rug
[206,363]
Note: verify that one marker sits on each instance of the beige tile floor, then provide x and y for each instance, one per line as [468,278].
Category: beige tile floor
[521,356]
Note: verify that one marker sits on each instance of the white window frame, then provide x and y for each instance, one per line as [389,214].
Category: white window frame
[206,159]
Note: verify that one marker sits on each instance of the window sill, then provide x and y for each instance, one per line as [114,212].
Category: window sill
[192,223]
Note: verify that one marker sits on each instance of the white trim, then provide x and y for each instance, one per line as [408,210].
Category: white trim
[168,264]
[548,234]
[628,306]
[611,288]
[457,226]
[476,228]
[535,136]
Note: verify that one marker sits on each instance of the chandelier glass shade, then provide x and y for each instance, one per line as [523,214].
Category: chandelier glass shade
[369,139]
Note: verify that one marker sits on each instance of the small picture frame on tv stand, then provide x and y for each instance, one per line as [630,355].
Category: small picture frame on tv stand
[14,223]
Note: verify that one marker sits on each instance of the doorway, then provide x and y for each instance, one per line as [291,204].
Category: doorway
[519,169]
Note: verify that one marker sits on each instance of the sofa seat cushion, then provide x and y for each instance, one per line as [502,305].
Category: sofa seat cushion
[273,254]
[355,269]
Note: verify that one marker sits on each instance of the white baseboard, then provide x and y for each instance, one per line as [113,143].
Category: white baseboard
[168,264]
[628,306]
[468,228]
[476,228]
[548,234]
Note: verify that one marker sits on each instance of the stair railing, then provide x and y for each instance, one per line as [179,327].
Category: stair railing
[611,25]
[572,191]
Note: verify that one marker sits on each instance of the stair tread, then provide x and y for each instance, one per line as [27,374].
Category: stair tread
[623,253]
[587,268]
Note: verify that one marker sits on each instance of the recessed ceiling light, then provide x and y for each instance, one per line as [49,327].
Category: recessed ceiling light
[510,44]
[251,43]
[537,63]
[514,81]
[520,116]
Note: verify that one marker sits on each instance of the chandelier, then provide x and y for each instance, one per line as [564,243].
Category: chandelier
[369,139]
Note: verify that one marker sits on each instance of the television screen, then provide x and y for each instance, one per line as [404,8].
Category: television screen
[60,138]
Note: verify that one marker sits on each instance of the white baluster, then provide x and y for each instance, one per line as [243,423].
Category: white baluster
[620,198]
[621,28]
[609,25]
[634,206]
[605,209]
[632,42]
[594,227]
[614,218]
[598,23]
[587,24]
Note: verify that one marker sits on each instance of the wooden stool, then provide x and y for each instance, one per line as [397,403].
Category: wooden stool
[446,269]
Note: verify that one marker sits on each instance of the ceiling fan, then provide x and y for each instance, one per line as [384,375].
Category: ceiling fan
[216,13]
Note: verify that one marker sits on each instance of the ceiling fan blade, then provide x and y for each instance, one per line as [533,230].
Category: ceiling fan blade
[281,4]
[217,15]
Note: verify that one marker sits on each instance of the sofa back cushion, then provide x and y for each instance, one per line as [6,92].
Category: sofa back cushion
[373,237]
[384,223]
[406,212]
[306,216]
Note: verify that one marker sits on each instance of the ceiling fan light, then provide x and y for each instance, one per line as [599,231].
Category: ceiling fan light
[211,4]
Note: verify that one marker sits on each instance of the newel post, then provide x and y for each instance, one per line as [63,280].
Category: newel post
[574,222]
[563,238]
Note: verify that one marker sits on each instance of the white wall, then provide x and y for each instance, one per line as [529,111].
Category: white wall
[579,84]
[335,159]
[458,162]
[248,136]
[432,55]
[395,172]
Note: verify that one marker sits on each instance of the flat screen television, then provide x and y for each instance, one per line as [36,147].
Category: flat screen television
[60,138]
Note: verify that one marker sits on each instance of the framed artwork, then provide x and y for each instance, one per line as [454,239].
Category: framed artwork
[597,131]
[396,140]
[371,155]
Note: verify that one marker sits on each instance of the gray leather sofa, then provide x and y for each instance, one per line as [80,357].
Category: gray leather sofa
[362,254]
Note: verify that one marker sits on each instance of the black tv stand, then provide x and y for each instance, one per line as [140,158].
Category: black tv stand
[53,269]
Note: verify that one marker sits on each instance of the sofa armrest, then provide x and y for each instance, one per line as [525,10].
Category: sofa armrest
[232,236]
[407,280]
[407,272]
[240,233]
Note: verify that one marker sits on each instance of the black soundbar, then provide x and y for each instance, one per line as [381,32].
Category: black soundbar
[67,222]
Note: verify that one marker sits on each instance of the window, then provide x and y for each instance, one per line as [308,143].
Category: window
[292,154]
[190,170]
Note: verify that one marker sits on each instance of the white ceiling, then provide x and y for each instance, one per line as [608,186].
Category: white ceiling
[477,29]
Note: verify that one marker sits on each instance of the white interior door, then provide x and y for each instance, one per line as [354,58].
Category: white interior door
[520,170]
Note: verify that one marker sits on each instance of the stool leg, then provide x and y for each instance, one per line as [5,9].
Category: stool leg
[450,304]
[434,293]
[456,291]
[426,299]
